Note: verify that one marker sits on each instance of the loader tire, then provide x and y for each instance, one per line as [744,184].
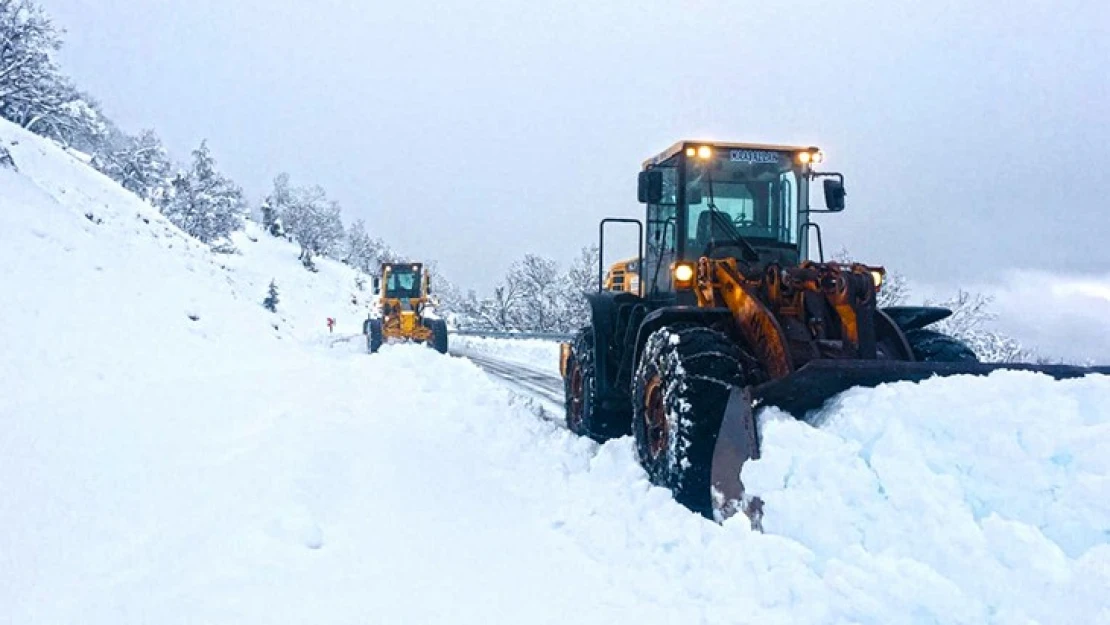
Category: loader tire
[373,335]
[584,414]
[679,395]
[439,334]
[933,346]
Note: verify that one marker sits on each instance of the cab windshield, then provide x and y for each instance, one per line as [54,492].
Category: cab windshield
[755,193]
[403,282]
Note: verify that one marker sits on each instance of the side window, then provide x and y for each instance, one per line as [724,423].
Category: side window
[661,235]
[661,226]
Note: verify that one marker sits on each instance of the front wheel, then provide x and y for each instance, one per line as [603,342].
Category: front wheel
[680,394]
[439,334]
[373,335]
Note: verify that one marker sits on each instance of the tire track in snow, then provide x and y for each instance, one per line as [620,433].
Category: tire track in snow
[539,385]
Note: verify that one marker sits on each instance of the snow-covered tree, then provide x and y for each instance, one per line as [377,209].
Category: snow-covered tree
[314,222]
[359,249]
[276,204]
[535,281]
[970,314]
[28,71]
[271,300]
[138,163]
[580,278]
[304,215]
[33,91]
[204,203]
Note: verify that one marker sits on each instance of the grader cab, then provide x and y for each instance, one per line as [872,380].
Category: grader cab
[404,310]
[623,276]
[732,314]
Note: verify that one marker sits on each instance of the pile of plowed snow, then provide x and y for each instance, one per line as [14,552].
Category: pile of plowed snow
[164,469]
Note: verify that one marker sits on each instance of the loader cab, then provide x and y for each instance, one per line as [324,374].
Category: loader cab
[740,200]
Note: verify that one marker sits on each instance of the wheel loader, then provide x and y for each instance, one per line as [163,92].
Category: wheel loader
[734,314]
[404,309]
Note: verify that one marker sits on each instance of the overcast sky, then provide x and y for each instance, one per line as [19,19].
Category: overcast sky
[975,135]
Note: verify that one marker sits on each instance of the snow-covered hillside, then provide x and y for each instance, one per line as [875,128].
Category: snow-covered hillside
[168,456]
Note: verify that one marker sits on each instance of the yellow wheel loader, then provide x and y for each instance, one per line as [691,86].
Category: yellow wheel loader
[404,309]
[733,314]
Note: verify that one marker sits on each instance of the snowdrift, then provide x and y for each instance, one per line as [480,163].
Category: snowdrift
[168,456]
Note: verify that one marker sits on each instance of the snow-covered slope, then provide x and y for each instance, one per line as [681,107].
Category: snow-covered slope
[156,468]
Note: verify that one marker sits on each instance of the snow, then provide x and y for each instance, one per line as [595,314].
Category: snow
[158,469]
[540,355]
[999,489]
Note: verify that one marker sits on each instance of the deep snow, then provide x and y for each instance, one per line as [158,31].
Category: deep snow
[161,469]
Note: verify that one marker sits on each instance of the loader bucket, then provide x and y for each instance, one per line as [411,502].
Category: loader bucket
[805,390]
[812,385]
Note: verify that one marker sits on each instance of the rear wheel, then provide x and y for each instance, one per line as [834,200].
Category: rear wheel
[585,414]
[680,392]
[374,335]
[580,385]
[933,346]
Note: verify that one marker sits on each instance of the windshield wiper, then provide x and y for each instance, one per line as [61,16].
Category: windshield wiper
[724,220]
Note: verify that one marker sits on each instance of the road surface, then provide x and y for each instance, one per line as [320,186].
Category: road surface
[540,385]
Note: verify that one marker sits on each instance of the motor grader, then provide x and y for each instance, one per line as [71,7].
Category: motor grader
[733,314]
[623,276]
[404,309]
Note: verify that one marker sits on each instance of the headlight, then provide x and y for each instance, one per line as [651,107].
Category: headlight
[810,156]
[705,152]
[683,275]
[877,278]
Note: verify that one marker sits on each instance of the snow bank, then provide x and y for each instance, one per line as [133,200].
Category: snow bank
[989,498]
[168,456]
[536,354]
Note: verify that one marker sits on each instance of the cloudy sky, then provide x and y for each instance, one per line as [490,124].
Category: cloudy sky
[975,136]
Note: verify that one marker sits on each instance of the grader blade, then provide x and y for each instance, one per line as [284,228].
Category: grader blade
[801,393]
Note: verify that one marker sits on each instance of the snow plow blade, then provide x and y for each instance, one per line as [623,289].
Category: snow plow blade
[801,393]
[812,385]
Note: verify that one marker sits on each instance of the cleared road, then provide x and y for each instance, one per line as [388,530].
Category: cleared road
[540,385]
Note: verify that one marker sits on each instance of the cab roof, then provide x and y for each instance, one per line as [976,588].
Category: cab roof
[682,145]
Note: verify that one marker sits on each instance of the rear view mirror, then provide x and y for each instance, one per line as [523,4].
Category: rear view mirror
[834,194]
[376,285]
[650,189]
